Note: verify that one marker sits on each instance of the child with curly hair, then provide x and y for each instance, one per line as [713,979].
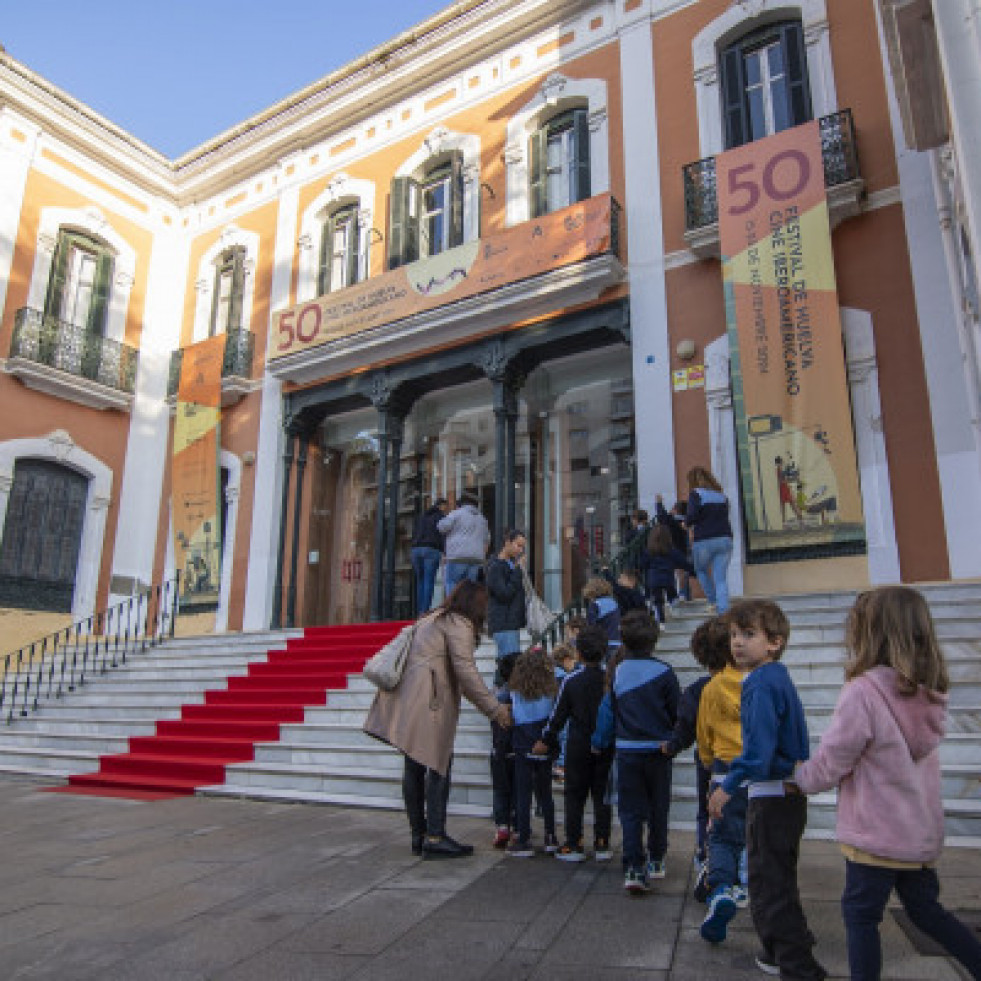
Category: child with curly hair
[532,689]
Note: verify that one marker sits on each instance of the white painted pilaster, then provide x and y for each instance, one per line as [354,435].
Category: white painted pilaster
[955,432]
[15,164]
[870,446]
[645,244]
[148,444]
[722,442]
[268,466]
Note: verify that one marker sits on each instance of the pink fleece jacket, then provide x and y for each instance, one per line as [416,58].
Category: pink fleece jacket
[881,750]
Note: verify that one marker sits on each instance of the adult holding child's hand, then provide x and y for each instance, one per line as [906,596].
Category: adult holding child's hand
[420,716]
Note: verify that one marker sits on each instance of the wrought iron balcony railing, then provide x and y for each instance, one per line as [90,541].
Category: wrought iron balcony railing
[237,363]
[74,350]
[840,167]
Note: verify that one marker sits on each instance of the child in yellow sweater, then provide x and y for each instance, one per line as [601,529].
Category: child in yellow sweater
[719,736]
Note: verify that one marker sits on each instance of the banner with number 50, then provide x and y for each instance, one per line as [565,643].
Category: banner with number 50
[793,418]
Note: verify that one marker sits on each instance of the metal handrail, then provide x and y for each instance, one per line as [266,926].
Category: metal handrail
[627,558]
[60,662]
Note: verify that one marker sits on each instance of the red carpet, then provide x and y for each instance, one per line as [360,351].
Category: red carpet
[193,751]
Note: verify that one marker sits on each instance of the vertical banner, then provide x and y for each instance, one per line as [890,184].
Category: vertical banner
[793,417]
[195,482]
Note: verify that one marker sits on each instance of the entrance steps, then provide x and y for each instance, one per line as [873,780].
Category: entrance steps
[321,754]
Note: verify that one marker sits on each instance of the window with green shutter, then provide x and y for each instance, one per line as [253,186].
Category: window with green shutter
[764,83]
[229,291]
[80,283]
[339,263]
[558,158]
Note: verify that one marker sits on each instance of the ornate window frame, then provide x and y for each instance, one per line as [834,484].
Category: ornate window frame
[557,94]
[738,19]
[340,192]
[92,221]
[204,283]
[443,141]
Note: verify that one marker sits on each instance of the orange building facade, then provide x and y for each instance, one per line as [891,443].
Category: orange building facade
[483,258]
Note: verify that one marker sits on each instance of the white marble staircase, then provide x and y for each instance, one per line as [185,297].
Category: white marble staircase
[327,759]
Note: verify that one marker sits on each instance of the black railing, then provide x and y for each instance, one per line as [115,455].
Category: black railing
[840,166]
[237,362]
[73,349]
[61,662]
[629,557]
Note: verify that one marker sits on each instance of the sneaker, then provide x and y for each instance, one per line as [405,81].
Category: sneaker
[702,888]
[519,849]
[558,774]
[601,850]
[551,844]
[635,882]
[721,909]
[501,837]
[739,896]
[712,609]
[766,963]
[571,853]
[656,870]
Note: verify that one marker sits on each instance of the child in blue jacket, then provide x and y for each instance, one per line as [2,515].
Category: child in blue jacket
[638,715]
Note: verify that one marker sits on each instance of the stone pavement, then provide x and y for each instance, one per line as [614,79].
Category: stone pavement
[197,888]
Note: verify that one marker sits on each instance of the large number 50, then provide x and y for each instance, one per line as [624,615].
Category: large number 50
[742,180]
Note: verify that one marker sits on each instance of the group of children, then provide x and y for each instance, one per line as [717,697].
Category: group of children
[622,708]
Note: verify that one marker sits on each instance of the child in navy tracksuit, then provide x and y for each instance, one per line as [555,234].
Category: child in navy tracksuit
[640,711]
[586,774]
[774,739]
[603,610]
[532,687]
[664,558]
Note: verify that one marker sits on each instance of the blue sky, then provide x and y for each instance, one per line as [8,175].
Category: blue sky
[174,73]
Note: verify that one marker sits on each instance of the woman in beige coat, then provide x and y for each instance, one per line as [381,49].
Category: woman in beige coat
[420,716]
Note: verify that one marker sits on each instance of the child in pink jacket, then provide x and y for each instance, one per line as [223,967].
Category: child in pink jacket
[881,750]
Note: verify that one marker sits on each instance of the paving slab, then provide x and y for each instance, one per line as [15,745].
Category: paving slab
[211,889]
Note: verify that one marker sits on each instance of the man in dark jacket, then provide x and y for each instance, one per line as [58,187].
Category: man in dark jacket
[506,596]
[427,553]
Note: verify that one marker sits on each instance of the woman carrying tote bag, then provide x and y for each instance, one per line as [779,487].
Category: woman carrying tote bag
[419,717]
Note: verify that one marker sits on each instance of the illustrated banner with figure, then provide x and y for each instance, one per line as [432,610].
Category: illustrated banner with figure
[195,480]
[793,418]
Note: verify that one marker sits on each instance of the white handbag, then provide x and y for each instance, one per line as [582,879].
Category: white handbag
[537,614]
[385,669]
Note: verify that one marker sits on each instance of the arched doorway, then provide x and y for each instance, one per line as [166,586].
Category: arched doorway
[42,536]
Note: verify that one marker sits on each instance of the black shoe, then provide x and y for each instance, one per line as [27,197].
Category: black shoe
[445,847]
[417,844]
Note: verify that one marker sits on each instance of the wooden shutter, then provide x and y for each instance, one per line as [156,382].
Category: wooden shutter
[734,109]
[326,251]
[456,201]
[538,172]
[353,245]
[403,232]
[236,301]
[580,130]
[56,281]
[101,293]
[795,58]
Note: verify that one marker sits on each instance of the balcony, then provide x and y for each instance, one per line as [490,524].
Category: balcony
[842,178]
[67,361]
[236,368]
[526,271]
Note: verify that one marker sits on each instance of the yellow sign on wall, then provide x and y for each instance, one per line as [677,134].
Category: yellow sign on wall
[793,417]
[195,473]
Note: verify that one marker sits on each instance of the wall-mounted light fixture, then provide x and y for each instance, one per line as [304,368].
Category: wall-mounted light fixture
[685,349]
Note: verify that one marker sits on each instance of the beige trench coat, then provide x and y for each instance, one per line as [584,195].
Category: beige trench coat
[419,717]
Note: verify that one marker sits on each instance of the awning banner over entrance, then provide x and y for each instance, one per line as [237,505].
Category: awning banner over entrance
[793,419]
[195,474]
[579,232]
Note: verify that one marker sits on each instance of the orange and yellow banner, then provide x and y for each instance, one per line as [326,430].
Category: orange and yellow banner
[569,235]
[195,480]
[793,417]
